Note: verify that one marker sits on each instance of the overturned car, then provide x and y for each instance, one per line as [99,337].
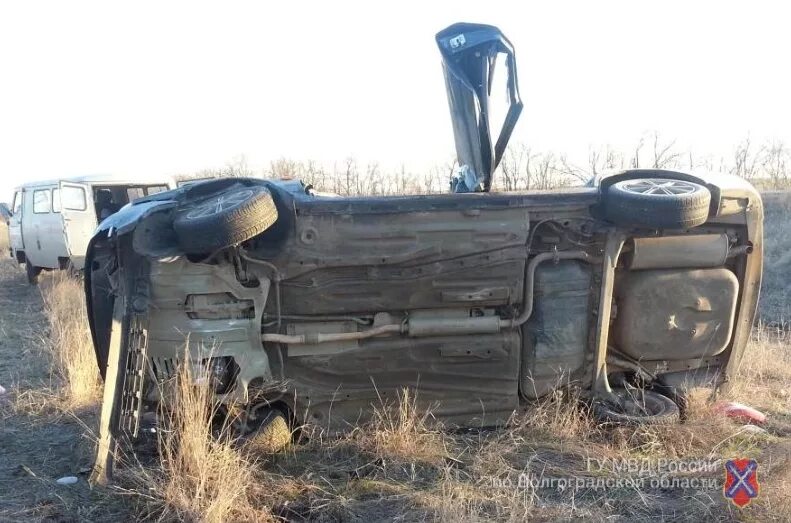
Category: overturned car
[631,289]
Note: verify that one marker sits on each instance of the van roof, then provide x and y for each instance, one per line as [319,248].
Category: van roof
[99,179]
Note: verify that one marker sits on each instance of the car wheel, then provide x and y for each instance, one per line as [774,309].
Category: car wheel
[630,406]
[225,218]
[271,432]
[677,395]
[32,272]
[659,203]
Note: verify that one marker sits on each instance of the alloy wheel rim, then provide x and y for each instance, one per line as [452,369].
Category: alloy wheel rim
[659,187]
[220,203]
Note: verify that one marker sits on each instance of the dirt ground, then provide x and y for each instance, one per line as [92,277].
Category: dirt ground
[39,442]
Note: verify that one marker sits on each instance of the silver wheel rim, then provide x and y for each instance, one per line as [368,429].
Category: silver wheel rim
[219,203]
[659,187]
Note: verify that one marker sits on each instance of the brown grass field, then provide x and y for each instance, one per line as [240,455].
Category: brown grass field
[3,237]
[403,465]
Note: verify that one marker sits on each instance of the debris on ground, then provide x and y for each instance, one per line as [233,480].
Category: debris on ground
[67,480]
[753,429]
[740,411]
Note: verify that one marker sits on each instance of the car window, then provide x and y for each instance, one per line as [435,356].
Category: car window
[73,198]
[41,203]
[55,200]
[17,202]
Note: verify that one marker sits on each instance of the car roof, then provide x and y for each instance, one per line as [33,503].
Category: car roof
[98,179]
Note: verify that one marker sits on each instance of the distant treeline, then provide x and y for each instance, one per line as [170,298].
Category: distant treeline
[767,165]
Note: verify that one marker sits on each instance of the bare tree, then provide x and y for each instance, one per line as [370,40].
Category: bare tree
[745,161]
[347,183]
[315,175]
[237,168]
[373,182]
[602,159]
[511,166]
[664,155]
[522,168]
[528,162]
[567,171]
[774,164]
[284,169]
[437,178]
[634,162]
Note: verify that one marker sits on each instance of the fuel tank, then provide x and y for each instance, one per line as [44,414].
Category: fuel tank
[675,314]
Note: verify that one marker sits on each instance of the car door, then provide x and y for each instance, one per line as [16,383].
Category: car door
[15,223]
[79,219]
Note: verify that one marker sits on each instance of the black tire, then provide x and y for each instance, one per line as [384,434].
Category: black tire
[225,218]
[658,203]
[677,395]
[636,407]
[32,272]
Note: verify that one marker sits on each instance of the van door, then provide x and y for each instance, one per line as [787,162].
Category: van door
[37,209]
[15,224]
[49,231]
[79,220]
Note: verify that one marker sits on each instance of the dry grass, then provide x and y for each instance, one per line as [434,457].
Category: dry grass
[404,464]
[201,474]
[3,237]
[69,343]
[765,373]
[402,431]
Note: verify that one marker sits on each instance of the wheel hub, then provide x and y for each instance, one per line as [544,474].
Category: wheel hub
[659,187]
[219,203]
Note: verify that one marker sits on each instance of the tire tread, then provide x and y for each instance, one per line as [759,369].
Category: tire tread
[680,212]
[241,223]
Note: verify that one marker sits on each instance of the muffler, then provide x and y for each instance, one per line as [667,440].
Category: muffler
[675,252]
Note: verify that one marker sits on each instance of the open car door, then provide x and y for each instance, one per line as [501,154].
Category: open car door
[469,53]
[79,219]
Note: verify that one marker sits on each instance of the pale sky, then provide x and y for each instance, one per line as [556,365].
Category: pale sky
[168,87]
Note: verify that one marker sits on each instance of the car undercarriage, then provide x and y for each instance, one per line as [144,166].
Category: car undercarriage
[630,290]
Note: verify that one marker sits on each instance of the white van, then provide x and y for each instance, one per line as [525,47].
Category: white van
[52,221]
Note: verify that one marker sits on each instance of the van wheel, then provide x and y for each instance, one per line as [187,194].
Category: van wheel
[631,406]
[32,272]
[658,203]
[225,218]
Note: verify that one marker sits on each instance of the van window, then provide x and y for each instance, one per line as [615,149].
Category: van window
[41,201]
[73,198]
[17,206]
[153,189]
[55,200]
[133,193]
